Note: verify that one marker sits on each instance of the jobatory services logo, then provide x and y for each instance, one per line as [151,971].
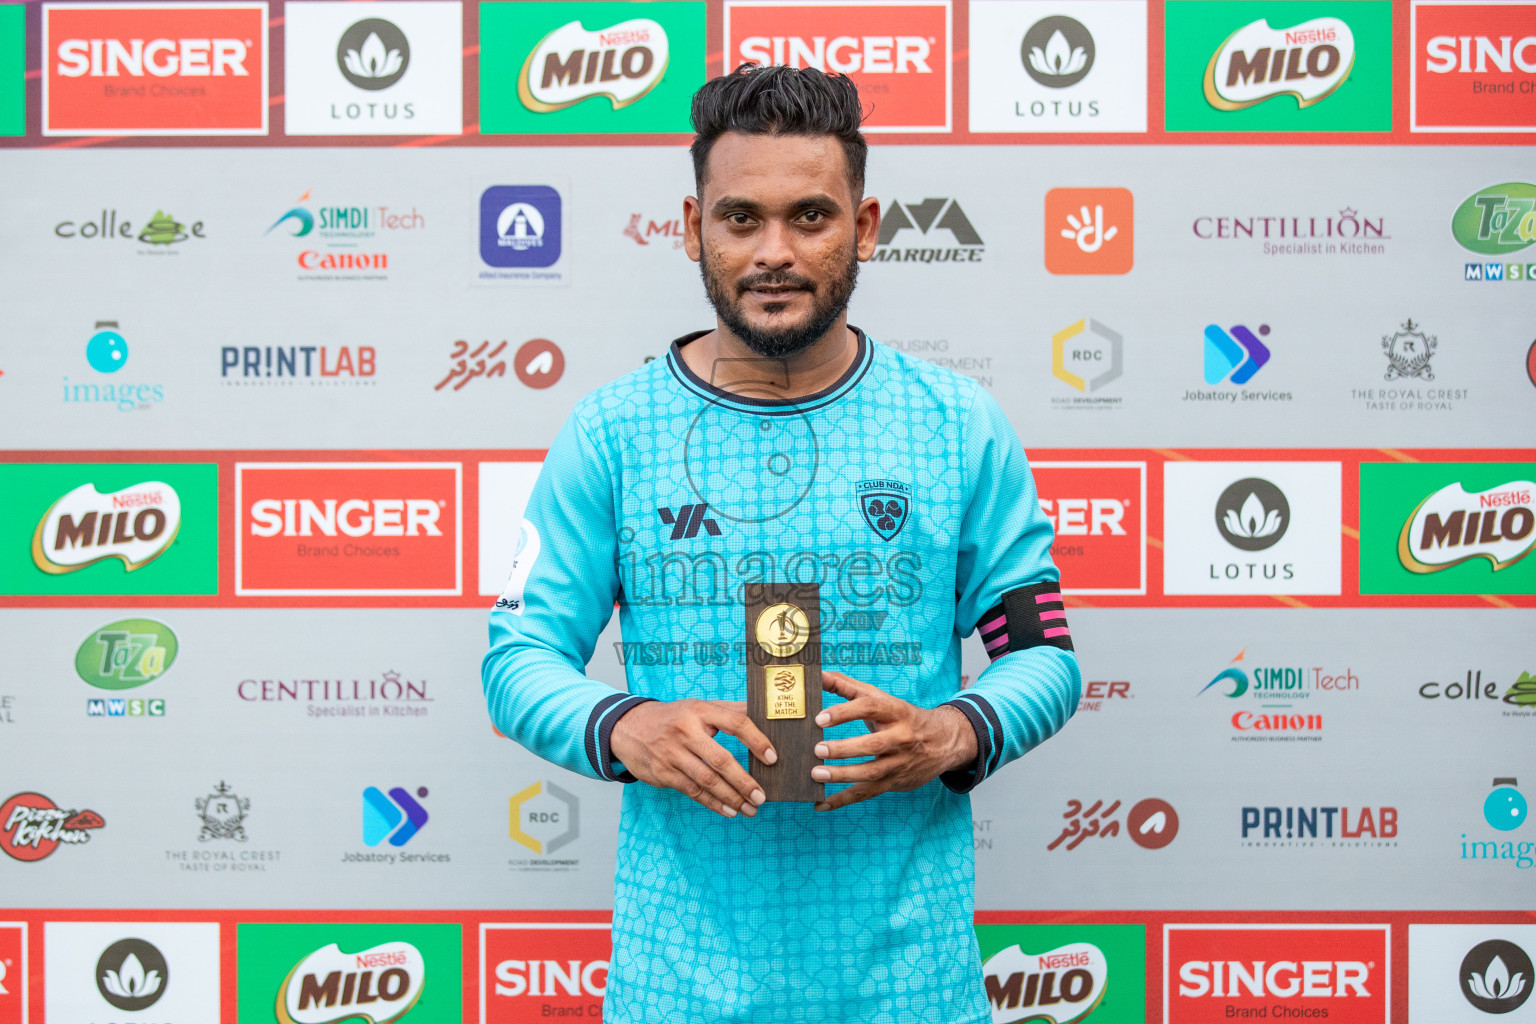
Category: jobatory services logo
[952,238]
[130,970]
[1063,974]
[1085,356]
[1447,528]
[252,366]
[1474,67]
[540,971]
[559,68]
[13,972]
[1098,512]
[374,68]
[521,235]
[1076,66]
[106,352]
[155,69]
[1263,65]
[1499,221]
[376,973]
[1467,973]
[1151,823]
[396,816]
[1505,810]
[32,826]
[345,240]
[358,528]
[1090,231]
[545,818]
[896,53]
[1270,528]
[1217,972]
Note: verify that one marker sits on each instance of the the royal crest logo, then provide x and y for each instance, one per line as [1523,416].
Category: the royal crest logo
[886,505]
[1409,351]
[32,826]
[1256,63]
[1453,525]
[223,812]
[136,524]
[622,62]
[378,985]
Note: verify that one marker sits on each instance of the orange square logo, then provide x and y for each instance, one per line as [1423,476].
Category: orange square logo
[1090,230]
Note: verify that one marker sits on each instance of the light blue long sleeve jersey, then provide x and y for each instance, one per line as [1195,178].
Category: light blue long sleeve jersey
[904,492]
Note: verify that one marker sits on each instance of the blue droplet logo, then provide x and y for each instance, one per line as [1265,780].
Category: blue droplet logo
[107,351]
[1505,808]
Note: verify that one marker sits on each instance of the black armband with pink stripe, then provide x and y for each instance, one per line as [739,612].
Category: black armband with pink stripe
[1028,617]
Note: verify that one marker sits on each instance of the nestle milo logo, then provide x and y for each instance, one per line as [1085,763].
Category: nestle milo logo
[1497,220]
[126,654]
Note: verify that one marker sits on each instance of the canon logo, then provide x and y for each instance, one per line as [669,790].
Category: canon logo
[356,517]
[163,58]
[551,978]
[1475,53]
[1229,979]
[1085,517]
[873,55]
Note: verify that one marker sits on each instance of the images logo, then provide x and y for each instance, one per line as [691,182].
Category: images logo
[329,986]
[155,69]
[383,815]
[1256,63]
[1452,526]
[347,528]
[625,74]
[135,525]
[32,826]
[126,654]
[1474,67]
[1234,357]
[1496,976]
[1089,230]
[538,971]
[544,817]
[897,52]
[1096,509]
[132,975]
[1252,514]
[941,213]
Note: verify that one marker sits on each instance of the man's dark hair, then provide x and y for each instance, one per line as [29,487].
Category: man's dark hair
[779,100]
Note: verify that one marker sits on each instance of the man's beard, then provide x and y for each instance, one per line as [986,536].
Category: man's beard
[778,342]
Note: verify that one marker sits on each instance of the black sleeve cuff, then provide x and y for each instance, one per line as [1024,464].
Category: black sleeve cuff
[600,729]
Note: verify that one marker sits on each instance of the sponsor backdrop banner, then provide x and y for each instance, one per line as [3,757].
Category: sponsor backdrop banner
[297,294]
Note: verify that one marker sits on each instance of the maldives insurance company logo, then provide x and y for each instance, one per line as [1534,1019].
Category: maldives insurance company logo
[1251,65]
[348,528]
[1062,974]
[1498,221]
[561,67]
[32,826]
[155,69]
[897,54]
[1090,230]
[538,971]
[1219,972]
[1098,512]
[1474,67]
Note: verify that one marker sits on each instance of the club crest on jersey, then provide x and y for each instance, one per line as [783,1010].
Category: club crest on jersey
[886,505]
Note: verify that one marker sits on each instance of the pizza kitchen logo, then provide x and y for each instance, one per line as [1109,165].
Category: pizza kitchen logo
[378,985]
[32,826]
[134,525]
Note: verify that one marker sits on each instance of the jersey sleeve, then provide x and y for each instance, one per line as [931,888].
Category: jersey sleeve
[1008,588]
[557,600]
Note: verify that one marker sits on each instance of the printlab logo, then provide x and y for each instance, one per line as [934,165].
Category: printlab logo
[1151,823]
[33,826]
[1474,67]
[126,654]
[223,813]
[1085,356]
[1496,976]
[1252,514]
[1058,52]
[373,54]
[396,817]
[544,818]
[132,975]
[886,506]
[936,213]
[1499,220]
[107,352]
[1089,230]
[520,232]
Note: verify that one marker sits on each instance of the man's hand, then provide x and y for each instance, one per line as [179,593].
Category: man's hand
[671,744]
[911,746]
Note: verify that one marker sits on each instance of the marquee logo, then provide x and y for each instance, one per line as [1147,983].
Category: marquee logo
[155,69]
[126,654]
[1474,67]
[386,528]
[1256,63]
[1307,972]
[538,971]
[33,826]
[1060,986]
[898,53]
[379,985]
[1452,526]
[1097,511]
[620,63]
[134,525]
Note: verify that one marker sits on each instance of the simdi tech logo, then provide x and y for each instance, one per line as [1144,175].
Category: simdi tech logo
[1278,65]
[1221,972]
[560,67]
[1447,528]
[1474,67]
[155,69]
[1063,974]
[331,972]
[109,528]
[1470,973]
[348,528]
[896,53]
[541,971]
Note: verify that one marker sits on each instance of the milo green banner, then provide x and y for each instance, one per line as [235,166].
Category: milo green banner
[1062,974]
[109,528]
[580,67]
[1447,528]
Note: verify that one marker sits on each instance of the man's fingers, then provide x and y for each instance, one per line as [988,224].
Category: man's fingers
[851,795]
[731,717]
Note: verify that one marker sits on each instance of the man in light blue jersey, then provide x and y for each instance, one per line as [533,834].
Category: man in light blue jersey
[786,446]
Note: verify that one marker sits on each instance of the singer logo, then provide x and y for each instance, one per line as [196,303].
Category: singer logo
[1301,972]
[1474,67]
[367,528]
[378,985]
[154,69]
[1096,509]
[538,971]
[897,54]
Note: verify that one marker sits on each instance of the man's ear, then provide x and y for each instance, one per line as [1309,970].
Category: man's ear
[693,227]
[866,226]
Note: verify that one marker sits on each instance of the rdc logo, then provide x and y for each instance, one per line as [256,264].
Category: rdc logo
[520,226]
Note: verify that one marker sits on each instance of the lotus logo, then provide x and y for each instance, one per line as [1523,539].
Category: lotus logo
[1057,52]
[1496,976]
[1252,514]
[373,54]
[1256,63]
[131,975]
[1454,525]
[571,64]
[136,525]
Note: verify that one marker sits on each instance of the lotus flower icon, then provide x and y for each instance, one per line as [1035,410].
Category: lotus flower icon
[1496,982]
[131,981]
[1059,57]
[373,60]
